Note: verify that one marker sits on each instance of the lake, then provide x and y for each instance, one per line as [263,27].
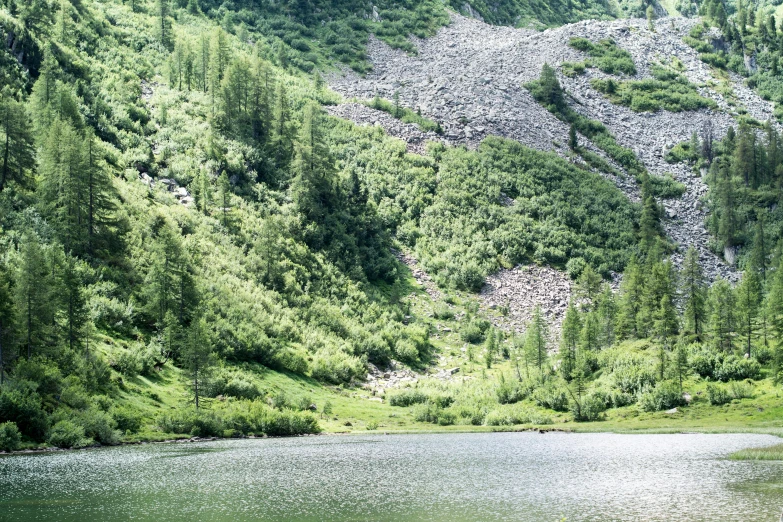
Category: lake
[487,476]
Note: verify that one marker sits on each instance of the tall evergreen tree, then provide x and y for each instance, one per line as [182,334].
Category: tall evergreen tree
[197,356]
[569,340]
[694,294]
[34,297]
[722,318]
[748,306]
[17,157]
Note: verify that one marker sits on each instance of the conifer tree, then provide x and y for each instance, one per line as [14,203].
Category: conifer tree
[607,314]
[34,297]
[722,315]
[163,28]
[17,157]
[569,340]
[197,356]
[694,294]
[536,339]
[75,304]
[7,318]
[748,306]
[573,141]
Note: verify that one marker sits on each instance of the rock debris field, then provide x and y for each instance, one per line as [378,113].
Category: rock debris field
[470,77]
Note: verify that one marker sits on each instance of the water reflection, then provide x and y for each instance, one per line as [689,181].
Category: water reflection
[524,476]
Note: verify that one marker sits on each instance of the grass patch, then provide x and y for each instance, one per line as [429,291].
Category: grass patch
[667,90]
[606,56]
[404,114]
[770,453]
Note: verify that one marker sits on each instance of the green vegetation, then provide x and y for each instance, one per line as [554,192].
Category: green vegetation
[770,453]
[548,92]
[404,114]
[189,246]
[667,90]
[523,13]
[606,55]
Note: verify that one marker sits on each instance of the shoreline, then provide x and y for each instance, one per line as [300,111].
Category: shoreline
[774,431]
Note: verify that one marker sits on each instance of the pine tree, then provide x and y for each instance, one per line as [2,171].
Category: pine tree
[759,256]
[631,292]
[7,318]
[569,339]
[587,287]
[197,356]
[34,287]
[774,306]
[748,306]
[313,169]
[551,92]
[281,138]
[694,294]
[650,18]
[163,29]
[573,141]
[666,321]
[490,348]
[590,337]
[17,155]
[75,304]
[722,315]
[681,362]
[607,314]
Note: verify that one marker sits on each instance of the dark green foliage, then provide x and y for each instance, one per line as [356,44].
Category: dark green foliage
[606,55]
[667,90]
[546,14]
[10,438]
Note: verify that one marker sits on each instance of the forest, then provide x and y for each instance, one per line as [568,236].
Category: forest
[191,246]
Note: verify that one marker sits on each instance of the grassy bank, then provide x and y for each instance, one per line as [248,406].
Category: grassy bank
[771,453]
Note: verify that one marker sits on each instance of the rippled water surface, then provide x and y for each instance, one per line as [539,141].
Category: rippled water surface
[522,476]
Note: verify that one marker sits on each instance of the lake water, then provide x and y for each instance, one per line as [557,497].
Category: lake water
[503,476]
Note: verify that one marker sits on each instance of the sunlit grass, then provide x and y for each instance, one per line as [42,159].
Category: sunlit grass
[770,453]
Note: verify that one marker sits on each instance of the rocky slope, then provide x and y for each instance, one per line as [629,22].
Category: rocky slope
[470,78]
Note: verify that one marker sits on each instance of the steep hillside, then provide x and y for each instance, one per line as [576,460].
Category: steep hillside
[195,239]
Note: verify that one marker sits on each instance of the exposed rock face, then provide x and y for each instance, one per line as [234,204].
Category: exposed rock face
[470,78]
[524,288]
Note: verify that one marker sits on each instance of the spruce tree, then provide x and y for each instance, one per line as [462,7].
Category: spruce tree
[722,315]
[7,318]
[17,154]
[694,294]
[33,289]
[197,356]
[748,306]
[536,340]
[569,339]
[573,141]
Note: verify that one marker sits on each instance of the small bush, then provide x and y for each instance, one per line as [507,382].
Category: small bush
[443,312]
[335,366]
[663,396]
[737,368]
[127,419]
[741,390]
[99,426]
[590,409]
[551,397]
[717,394]
[67,434]
[407,398]
[473,331]
[10,437]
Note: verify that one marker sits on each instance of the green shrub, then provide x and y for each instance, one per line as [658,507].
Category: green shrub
[572,69]
[717,394]
[99,426]
[473,330]
[67,434]
[336,366]
[407,397]
[741,390]
[371,425]
[127,419]
[664,396]
[405,351]
[443,312]
[10,437]
[666,186]
[608,57]
[737,368]
[667,90]
[191,421]
[552,397]
[590,409]
[23,407]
